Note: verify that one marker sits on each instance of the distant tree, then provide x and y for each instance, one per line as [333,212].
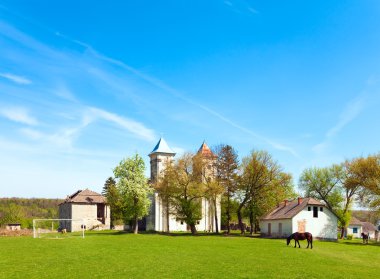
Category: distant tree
[260,175]
[339,186]
[133,188]
[12,213]
[110,191]
[226,166]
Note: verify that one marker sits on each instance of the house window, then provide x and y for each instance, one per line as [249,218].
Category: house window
[181,222]
[308,208]
[197,222]
[315,211]
[354,230]
[321,209]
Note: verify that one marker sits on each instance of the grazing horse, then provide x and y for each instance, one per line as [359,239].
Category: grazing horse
[301,236]
[365,237]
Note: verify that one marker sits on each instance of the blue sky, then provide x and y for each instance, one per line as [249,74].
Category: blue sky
[83,85]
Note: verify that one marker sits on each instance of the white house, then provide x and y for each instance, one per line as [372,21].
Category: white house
[156,220]
[300,215]
[84,206]
[357,227]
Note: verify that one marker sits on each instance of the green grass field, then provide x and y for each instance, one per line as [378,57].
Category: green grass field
[115,255]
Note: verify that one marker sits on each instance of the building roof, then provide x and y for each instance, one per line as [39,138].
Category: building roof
[289,209]
[205,150]
[85,196]
[367,226]
[355,221]
[162,147]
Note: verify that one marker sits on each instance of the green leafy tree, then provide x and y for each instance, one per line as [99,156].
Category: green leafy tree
[186,189]
[133,189]
[112,194]
[339,186]
[260,175]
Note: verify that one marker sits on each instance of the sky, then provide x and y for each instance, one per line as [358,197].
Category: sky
[84,84]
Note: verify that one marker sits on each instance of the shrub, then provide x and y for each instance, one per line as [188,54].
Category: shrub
[349,236]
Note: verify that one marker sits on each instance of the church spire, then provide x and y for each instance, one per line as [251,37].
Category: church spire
[162,147]
[204,150]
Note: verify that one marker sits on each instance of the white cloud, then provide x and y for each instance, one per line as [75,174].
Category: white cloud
[136,128]
[349,113]
[18,114]
[15,78]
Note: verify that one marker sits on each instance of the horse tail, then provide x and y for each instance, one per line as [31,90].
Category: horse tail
[311,241]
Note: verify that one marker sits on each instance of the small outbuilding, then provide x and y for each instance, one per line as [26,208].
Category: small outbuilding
[13,227]
[300,215]
[357,227]
[85,208]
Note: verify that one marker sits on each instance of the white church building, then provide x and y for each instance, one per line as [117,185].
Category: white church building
[157,219]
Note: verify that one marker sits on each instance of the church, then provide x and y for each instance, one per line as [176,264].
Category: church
[156,220]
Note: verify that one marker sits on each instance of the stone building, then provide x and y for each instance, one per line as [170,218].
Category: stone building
[156,220]
[84,207]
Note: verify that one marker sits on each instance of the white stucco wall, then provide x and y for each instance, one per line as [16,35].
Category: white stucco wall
[324,227]
[156,219]
[350,229]
[275,228]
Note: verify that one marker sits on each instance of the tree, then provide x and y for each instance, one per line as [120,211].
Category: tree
[111,192]
[133,188]
[184,182]
[260,175]
[339,186]
[165,189]
[226,175]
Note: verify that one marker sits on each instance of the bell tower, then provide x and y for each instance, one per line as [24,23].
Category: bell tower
[160,155]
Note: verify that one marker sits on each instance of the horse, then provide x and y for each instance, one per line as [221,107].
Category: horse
[301,236]
[365,237]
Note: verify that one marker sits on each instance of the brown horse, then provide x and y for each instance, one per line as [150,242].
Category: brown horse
[365,237]
[300,236]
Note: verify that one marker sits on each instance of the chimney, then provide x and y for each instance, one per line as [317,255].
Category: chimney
[299,200]
[285,202]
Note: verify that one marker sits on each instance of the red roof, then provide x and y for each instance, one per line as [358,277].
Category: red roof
[85,196]
[289,209]
[206,151]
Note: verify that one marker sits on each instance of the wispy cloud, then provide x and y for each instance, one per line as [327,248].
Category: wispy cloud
[349,113]
[130,125]
[18,114]
[240,7]
[16,78]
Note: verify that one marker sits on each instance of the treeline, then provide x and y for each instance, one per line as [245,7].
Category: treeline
[246,189]
[22,210]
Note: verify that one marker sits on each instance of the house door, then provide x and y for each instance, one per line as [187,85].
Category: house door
[280,229]
[269,229]
[301,226]
[100,212]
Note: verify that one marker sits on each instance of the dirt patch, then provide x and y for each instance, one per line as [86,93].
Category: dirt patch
[23,232]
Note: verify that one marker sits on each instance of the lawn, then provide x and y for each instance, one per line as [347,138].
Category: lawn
[115,255]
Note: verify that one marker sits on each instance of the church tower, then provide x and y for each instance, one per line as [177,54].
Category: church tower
[160,155]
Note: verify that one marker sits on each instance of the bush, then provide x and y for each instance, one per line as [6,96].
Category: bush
[349,236]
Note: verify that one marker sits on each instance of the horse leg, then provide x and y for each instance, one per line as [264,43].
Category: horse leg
[295,243]
[299,246]
[308,242]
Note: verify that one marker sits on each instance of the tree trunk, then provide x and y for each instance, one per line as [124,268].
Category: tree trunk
[240,219]
[228,214]
[256,225]
[342,232]
[193,229]
[136,225]
[216,217]
[251,222]
[167,216]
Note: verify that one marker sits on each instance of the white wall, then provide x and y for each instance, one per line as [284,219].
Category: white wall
[325,226]
[275,228]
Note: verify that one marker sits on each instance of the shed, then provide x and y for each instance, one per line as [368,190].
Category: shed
[13,227]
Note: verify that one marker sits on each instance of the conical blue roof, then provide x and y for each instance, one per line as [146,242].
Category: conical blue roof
[162,147]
